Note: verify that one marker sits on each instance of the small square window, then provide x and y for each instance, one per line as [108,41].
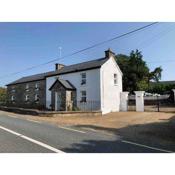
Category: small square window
[27,87]
[27,98]
[83,78]
[37,86]
[36,98]
[83,96]
[115,79]
[13,89]
[12,98]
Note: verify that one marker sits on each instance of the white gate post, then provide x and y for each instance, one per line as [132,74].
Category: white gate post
[174,94]
[139,97]
[124,101]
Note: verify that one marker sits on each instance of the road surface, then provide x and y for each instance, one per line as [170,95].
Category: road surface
[29,136]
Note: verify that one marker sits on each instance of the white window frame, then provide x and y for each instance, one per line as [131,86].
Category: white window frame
[83,96]
[27,87]
[13,89]
[115,79]
[36,97]
[27,98]
[83,79]
[36,86]
[12,98]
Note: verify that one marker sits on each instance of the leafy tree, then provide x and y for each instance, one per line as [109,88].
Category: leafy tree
[155,75]
[142,85]
[138,70]
[123,62]
[136,74]
[3,95]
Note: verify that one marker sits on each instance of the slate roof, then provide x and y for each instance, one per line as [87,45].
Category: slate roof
[65,83]
[67,69]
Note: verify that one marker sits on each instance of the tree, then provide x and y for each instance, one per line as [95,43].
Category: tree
[138,70]
[3,95]
[136,74]
[156,74]
[123,62]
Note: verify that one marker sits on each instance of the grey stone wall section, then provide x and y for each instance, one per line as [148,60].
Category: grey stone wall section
[67,96]
[69,100]
[20,93]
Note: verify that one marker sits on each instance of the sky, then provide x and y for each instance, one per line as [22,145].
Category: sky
[23,45]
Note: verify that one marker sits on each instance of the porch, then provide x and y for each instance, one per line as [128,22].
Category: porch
[64,98]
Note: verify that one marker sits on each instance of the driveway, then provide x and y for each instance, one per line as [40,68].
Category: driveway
[20,133]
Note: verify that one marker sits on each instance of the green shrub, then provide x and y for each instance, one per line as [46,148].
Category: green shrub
[160,88]
[75,108]
[3,96]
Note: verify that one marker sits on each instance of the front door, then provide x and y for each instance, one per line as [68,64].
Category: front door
[58,101]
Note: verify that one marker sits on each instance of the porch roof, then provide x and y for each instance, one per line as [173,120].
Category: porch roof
[65,83]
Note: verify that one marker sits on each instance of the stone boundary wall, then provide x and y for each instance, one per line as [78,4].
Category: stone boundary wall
[51,113]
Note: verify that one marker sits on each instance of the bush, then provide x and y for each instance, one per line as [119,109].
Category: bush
[3,96]
[75,108]
[142,85]
[161,88]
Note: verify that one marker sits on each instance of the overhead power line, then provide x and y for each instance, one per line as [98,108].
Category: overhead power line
[82,50]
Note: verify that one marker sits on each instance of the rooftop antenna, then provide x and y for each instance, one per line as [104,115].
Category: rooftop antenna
[60,54]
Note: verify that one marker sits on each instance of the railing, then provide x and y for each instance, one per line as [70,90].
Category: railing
[154,103]
[88,105]
[83,106]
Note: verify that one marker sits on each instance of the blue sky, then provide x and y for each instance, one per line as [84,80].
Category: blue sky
[23,45]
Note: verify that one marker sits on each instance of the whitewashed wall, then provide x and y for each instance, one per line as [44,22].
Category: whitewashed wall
[99,86]
[92,86]
[110,93]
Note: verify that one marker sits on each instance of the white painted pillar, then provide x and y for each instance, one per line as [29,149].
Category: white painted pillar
[124,101]
[139,97]
[174,94]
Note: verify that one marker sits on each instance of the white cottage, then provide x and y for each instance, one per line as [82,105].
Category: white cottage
[92,85]
[97,84]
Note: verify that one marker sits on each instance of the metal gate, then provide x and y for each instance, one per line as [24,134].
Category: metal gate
[159,103]
[154,103]
[131,103]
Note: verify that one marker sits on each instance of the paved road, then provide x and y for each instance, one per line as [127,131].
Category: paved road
[24,136]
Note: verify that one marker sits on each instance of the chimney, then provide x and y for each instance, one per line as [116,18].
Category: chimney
[58,66]
[109,53]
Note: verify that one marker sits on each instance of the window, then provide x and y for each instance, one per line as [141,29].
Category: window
[83,96]
[13,89]
[27,87]
[12,98]
[27,98]
[36,97]
[37,86]
[83,78]
[115,79]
